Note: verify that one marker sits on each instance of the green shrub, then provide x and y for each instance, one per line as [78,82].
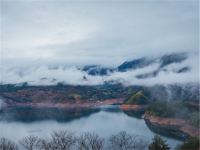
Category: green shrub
[158,144]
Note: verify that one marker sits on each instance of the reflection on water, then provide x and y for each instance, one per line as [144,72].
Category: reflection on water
[105,121]
[30,114]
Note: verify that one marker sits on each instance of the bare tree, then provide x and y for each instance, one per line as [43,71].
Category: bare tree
[124,141]
[30,143]
[44,144]
[65,140]
[62,140]
[90,141]
[6,144]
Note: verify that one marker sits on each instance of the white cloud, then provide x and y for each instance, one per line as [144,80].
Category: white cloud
[44,75]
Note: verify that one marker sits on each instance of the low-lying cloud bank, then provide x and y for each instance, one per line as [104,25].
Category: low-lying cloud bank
[44,75]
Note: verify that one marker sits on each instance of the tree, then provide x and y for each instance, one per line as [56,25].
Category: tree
[6,144]
[44,144]
[62,140]
[90,141]
[30,143]
[158,144]
[124,141]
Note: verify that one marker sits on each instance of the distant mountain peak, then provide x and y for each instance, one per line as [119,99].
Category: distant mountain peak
[134,64]
[172,58]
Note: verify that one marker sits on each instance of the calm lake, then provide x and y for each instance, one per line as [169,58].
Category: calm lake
[16,123]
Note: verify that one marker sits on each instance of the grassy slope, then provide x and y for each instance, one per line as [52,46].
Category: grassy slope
[137,98]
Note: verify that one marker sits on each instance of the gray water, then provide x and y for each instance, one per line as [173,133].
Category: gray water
[105,122]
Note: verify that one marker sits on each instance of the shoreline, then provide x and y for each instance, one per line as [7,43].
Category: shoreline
[179,127]
[68,105]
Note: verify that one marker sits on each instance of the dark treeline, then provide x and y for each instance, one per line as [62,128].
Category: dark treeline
[66,140]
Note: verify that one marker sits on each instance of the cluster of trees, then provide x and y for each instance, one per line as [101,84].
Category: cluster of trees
[65,140]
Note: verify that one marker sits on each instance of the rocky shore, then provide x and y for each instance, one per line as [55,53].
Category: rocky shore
[175,124]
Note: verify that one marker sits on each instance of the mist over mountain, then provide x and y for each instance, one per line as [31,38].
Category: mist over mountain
[169,77]
[167,69]
[99,44]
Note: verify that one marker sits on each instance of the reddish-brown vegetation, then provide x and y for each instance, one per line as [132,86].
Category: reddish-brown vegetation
[177,123]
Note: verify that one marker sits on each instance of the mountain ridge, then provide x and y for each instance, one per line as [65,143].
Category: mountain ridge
[139,63]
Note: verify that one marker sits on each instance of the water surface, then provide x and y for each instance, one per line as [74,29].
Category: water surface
[16,123]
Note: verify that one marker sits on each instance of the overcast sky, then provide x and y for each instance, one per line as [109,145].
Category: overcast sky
[39,33]
[100,32]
